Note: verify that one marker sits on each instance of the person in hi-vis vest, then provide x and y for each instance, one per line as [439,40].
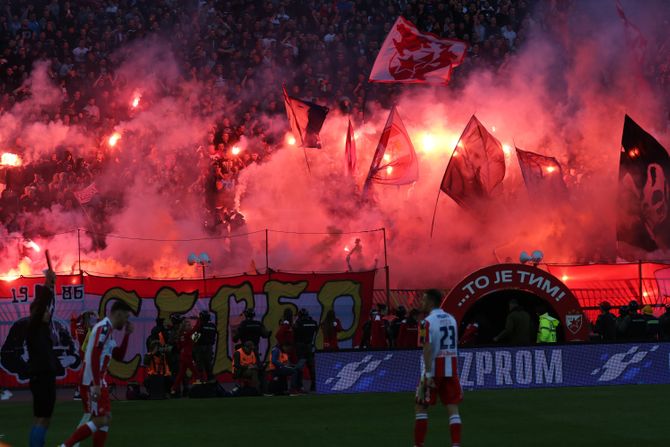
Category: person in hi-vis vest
[245,366]
[546,332]
[281,368]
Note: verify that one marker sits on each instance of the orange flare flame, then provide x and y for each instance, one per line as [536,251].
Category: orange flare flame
[113,139]
[9,159]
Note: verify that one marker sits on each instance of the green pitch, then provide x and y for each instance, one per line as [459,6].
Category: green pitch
[630,416]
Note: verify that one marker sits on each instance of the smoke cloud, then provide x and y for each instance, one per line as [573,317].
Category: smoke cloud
[564,93]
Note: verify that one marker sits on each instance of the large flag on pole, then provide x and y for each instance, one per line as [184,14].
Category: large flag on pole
[542,175]
[305,119]
[644,190]
[476,167]
[410,56]
[394,162]
[350,150]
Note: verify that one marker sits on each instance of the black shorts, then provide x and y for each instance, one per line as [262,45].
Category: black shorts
[44,395]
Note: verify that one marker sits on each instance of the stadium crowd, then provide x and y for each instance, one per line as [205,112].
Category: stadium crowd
[322,49]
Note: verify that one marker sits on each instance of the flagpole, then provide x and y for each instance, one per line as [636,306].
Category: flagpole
[365,101]
[88,217]
[90,221]
[387,271]
[432,225]
[373,169]
[309,170]
[79,249]
[287,100]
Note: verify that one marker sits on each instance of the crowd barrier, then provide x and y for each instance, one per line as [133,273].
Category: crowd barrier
[499,368]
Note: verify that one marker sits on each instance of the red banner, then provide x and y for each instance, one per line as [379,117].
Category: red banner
[348,294]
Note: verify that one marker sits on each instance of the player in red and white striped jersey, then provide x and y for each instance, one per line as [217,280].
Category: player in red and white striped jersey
[439,375]
[100,349]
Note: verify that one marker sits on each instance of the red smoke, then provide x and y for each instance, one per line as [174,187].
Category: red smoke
[563,94]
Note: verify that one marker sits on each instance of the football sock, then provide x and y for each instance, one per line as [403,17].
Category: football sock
[84,419]
[100,437]
[81,433]
[38,436]
[420,429]
[455,429]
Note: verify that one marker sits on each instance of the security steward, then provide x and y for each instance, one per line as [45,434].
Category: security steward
[606,323]
[245,367]
[173,333]
[156,358]
[42,361]
[652,329]
[158,380]
[546,332]
[664,324]
[637,329]
[304,330]
[204,345]
[250,330]
[280,368]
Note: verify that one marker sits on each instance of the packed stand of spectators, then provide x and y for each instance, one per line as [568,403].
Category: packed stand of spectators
[239,50]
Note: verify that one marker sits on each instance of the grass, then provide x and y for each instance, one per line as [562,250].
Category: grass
[629,416]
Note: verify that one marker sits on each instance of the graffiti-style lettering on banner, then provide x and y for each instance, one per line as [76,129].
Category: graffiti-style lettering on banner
[348,294]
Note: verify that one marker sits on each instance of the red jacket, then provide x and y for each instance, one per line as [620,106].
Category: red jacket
[78,330]
[285,333]
[330,336]
[469,335]
[408,335]
[379,333]
[185,342]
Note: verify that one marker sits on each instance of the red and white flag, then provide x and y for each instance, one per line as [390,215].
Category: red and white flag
[394,162]
[85,195]
[410,56]
[350,150]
